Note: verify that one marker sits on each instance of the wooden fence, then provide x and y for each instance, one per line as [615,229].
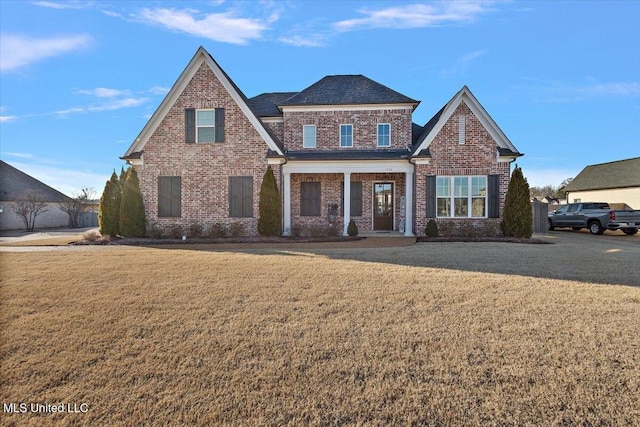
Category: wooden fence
[539,213]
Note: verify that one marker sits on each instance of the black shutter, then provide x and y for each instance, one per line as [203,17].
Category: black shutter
[189,125]
[310,199]
[494,196]
[240,196]
[356,198]
[219,137]
[431,196]
[247,196]
[169,196]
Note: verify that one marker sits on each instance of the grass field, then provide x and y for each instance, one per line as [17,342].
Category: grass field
[292,336]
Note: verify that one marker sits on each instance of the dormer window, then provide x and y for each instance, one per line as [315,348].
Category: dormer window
[384,135]
[309,136]
[346,135]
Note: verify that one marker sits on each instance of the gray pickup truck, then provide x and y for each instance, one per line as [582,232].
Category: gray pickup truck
[597,217]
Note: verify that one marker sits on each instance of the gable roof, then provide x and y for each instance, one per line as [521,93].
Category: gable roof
[347,90]
[15,184]
[435,124]
[201,56]
[618,174]
[266,104]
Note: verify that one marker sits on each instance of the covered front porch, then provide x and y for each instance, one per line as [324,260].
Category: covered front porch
[377,195]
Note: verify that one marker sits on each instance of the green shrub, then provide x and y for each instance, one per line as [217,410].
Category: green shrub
[218,230]
[270,206]
[296,230]
[132,220]
[352,229]
[517,217]
[431,230]
[195,229]
[155,231]
[236,229]
[175,232]
[108,218]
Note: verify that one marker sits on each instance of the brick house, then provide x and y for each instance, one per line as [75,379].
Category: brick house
[202,155]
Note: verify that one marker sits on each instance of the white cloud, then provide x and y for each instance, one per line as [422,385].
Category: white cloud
[17,51]
[109,106]
[557,91]
[221,27]
[103,92]
[416,15]
[6,119]
[64,5]
[158,90]
[316,40]
[462,64]
[19,155]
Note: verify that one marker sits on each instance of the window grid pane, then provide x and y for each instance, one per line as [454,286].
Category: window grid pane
[443,187]
[309,136]
[384,135]
[205,125]
[346,135]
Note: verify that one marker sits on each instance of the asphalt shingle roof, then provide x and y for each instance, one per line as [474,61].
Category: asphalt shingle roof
[619,174]
[14,184]
[266,104]
[348,89]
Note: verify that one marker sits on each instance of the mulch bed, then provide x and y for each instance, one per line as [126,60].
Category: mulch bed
[530,240]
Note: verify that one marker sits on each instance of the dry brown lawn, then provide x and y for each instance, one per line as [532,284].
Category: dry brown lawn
[293,336]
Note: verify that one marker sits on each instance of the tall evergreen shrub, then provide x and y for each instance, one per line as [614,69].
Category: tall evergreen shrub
[132,219]
[108,218]
[517,217]
[270,206]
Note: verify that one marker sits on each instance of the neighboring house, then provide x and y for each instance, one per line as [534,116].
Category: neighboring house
[614,182]
[202,155]
[16,185]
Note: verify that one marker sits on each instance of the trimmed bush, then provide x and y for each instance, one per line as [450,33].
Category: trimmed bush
[352,229]
[517,217]
[236,229]
[431,230]
[109,216]
[270,206]
[132,220]
[218,230]
[175,232]
[195,230]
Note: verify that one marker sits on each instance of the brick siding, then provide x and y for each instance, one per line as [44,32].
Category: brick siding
[365,128]
[477,156]
[204,168]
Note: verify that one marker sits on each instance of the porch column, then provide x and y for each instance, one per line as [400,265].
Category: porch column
[408,198]
[287,204]
[347,202]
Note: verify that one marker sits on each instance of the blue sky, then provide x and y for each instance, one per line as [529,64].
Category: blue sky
[79,79]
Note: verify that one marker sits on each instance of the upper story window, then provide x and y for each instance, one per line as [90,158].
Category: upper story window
[309,136]
[206,125]
[346,135]
[384,135]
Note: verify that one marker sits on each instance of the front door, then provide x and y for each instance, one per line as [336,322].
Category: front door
[383,206]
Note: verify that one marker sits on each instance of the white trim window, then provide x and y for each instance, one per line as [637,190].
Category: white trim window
[206,125]
[461,196]
[384,135]
[309,136]
[346,135]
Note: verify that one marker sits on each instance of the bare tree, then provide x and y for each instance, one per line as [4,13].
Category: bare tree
[75,206]
[29,206]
